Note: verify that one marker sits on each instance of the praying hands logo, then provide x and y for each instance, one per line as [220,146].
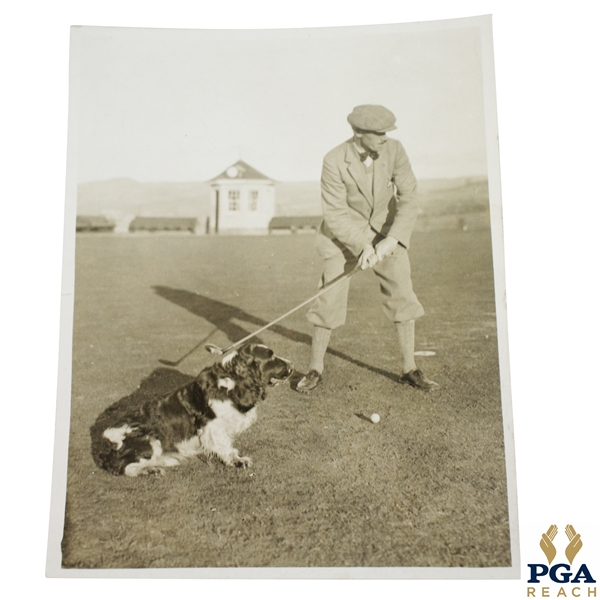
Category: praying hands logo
[574,546]
[575,543]
[546,543]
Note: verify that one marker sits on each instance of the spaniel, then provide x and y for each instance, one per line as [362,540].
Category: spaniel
[201,418]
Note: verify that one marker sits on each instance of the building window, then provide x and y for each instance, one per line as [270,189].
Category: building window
[253,199]
[234,200]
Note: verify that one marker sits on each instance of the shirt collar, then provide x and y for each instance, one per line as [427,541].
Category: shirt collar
[368,161]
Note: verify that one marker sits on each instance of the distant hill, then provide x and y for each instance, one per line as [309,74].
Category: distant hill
[190,199]
[121,199]
[298,198]
[127,196]
[454,204]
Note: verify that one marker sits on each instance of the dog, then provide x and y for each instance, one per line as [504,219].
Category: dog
[146,435]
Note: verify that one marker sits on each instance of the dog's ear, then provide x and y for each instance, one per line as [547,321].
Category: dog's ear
[246,353]
[241,361]
[248,392]
[206,380]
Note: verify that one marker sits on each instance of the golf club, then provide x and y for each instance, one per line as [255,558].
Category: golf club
[176,362]
[217,350]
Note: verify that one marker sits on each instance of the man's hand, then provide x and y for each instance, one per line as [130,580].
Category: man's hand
[386,246]
[368,257]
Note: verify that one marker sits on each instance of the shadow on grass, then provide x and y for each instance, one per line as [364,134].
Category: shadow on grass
[160,382]
[221,315]
[363,417]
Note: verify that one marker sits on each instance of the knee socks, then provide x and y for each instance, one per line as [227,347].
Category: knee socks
[320,342]
[406,338]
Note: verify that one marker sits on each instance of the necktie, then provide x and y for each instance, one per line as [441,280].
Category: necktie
[373,155]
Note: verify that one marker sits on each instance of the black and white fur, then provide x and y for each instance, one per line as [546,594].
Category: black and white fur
[202,417]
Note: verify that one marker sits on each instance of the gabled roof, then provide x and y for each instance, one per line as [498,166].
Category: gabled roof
[241,170]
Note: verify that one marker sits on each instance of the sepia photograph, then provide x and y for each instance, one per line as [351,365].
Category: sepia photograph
[284,336]
[189,192]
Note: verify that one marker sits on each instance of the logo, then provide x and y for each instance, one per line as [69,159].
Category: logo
[561,572]
[571,551]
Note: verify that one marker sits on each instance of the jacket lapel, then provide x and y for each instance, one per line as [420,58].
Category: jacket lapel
[383,190]
[358,173]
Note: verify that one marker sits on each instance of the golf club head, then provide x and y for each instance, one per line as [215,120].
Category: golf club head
[214,349]
[169,363]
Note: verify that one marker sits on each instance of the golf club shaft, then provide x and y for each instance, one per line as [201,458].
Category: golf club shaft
[175,363]
[322,291]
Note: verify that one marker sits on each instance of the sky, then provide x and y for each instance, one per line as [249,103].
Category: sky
[182,105]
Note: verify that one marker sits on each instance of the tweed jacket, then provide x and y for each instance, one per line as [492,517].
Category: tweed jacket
[353,212]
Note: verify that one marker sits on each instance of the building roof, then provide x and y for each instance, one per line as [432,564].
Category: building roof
[299,222]
[94,223]
[239,171]
[163,224]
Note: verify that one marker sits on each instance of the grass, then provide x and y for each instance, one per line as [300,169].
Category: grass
[424,487]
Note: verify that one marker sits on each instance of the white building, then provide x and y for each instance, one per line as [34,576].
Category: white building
[242,201]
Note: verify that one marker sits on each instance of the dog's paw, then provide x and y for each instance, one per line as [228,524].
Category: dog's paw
[243,462]
[137,470]
[158,471]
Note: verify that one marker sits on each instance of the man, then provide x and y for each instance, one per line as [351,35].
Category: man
[370,204]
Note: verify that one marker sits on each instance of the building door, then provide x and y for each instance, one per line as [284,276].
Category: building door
[217,211]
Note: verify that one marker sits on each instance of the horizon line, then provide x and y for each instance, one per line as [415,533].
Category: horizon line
[208,181]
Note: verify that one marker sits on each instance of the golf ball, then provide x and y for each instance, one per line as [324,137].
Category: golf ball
[375,418]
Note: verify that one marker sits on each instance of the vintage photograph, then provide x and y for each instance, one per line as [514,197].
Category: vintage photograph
[285,349]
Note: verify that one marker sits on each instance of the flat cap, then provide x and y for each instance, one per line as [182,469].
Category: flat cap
[372,117]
